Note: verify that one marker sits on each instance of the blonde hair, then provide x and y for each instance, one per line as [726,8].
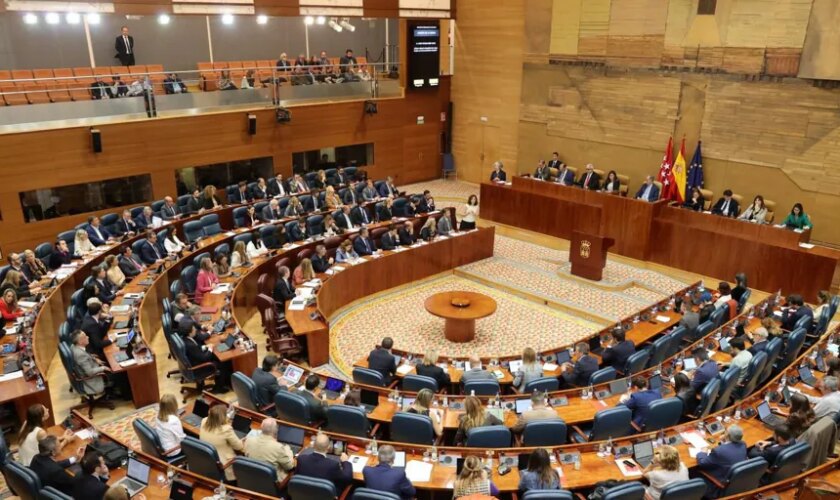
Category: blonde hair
[239,247]
[472,473]
[430,223]
[529,356]
[110,260]
[669,457]
[474,413]
[167,407]
[12,277]
[14,296]
[216,418]
[206,264]
[306,267]
[430,358]
[209,191]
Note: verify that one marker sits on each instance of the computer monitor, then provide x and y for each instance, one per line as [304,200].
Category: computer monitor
[334,384]
[370,398]
[200,408]
[523,405]
[515,365]
[619,386]
[764,410]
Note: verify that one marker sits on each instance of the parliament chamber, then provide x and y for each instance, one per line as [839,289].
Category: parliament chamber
[385,249]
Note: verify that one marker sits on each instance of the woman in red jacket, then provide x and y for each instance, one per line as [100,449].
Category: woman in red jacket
[9,306]
[206,280]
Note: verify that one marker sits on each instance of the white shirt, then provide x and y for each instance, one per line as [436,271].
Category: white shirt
[255,250]
[171,433]
[472,212]
[173,246]
[722,300]
[660,478]
[245,83]
[127,44]
[742,362]
[236,259]
[29,447]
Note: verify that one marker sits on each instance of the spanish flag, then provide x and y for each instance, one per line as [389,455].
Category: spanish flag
[680,174]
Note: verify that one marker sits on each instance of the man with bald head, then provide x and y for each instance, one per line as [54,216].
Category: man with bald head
[476,371]
[169,211]
[265,447]
[384,477]
[317,464]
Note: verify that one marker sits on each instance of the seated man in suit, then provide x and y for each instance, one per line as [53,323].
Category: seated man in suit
[50,470]
[410,207]
[169,210]
[145,220]
[320,260]
[93,481]
[87,365]
[538,411]
[388,189]
[384,477]
[476,371]
[173,84]
[718,462]
[298,231]
[406,233]
[639,400]
[706,370]
[690,318]
[770,449]
[128,263]
[565,177]
[727,206]
[314,204]
[96,325]
[363,244]
[391,239]
[382,360]
[107,290]
[617,349]
[242,195]
[195,205]
[97,234]
[264,446]
[795,311]
[344,218]
[498,174]
[271,211]
[284,290]
[577,374]
[317,464]
[542,173]
[277,186]
[150,251]
[555,162]
[590,179]
[759,340]
[426,203]
[199,353]
[266,378]
[126,224]
[298,185]
[369,193]
[360,216]
[350,196]
[648,191]
[317,408]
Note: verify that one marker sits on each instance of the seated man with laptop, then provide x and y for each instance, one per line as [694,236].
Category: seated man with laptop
[531,410]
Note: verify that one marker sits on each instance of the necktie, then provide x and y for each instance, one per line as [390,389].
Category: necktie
[154,247]
[725,207]
[364,215]
[367,247]
[127,46]
[136,265]
[586,182]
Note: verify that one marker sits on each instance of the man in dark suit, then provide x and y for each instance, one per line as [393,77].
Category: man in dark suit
[406,233]
[50,471]
[265,378]
[391,239]
[126,224]
[297,232]
[340,179]
[317,464]
[92,483]
[769,450]
[426,203]
[314,203]
[198,353]
[384,477]
[97,234]
[388,189]
[284,291]
[706,369]
[320,260]
[726,206]
[271,211]
[128,263]
[718,462]
[617,349]
[796,310]
[382,360]
[498,174]
[648,191]
[639,400]
[242,194]
[555,162]
[146,219]
[124,45]
[150,251]
[360,216]
[107,290]
[590,179]
[277,187]
[577,375]
[350,196]
[565,177]
[173,84]
[316,406]
[542,173]
[363,244]
[760,342]
[410,208]
[169,210]
[195,203]
[96,326]
[344,218]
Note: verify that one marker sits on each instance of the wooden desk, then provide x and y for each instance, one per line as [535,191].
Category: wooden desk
[460,319]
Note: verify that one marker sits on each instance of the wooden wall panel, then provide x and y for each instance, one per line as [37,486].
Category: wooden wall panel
[819,53]
[402,148]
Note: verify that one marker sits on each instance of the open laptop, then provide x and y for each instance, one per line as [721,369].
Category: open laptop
[563,357]
[820,363]
[333,388]
[619,386]
[643,453]
[227,344]
[291,436]
[369,400]
[724,344]
[689,364]
[767,417]
[293,374]
[807,377]
[515,365]
[200,410]
[123,342]
[137,477]
[241,425]
[522,405]
[10,365]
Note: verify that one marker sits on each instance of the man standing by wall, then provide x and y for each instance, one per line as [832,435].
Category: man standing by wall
[124,45]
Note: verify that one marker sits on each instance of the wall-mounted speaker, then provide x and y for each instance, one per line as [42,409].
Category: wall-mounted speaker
[95,140]
[252,124]
[283,115]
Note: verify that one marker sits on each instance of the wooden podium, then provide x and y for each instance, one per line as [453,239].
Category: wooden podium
[588,254]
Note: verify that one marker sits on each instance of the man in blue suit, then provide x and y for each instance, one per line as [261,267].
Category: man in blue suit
[384,477]
[364,245]
[297,232]
[317,464]
[97,234]
[150,251]
[577,375]
[640,399]
[718,462]
[796,311]
[146,219]
[565,177]
[388,189]
[617,350]
[706,369]
[648,191]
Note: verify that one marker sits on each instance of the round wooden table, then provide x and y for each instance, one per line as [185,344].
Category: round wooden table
[460,318]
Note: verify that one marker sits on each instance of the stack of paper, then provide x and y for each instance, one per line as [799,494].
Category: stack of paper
[628,470]
[358,463]
[404,369]
[418,472]
[693,438]
[663,319]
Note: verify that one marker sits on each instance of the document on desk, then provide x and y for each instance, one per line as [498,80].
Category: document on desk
[404,369]
[85,434]
[418,472]
[399,459]
[358,463]
[27,304]
[550,367]
[627,470]
[692,451]
[694,439]
[11,376]
[128,362]
[298,304]
[662,319]
[120,309]
[806,245]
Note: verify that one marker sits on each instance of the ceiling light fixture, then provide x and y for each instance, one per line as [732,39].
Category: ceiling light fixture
[93,18]
[320,20]
[52,18]
[163,19]
[334,25]
[30,18]
[262,19]
[345,23]
[309,20]
[73,18]
[227,19]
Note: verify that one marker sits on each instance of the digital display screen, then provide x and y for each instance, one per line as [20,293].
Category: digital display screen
[424,54]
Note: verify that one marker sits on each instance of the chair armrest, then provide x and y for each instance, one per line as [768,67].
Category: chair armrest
[374,430]
[228,463]
[170,450]
[579,431]
[636,426]
[202,365]
[90,377]
[712,479]
[346,492]
[394,383]
[267,407]
[514,496]
[580,496]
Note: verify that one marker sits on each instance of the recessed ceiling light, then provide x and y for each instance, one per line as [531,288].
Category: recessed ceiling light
[321,20]
[72,18]
[227,19]
[309,20]
[52,18]
[163,19]
[93,18]
[30,18]
[262,19]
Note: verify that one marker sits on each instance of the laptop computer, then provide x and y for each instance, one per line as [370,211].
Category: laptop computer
[595,344]
[333,388]
[643,453]
[563,357]
[522,405]
[807,377]
[515,365]
[10,365]
[369,400]
[291,436]
[820,363]
[241,425]
[786,395]
[200,410]
[407,402]
[689,364]
[137,477]
[619,386]
[293,374]
[724,344]
[227,344]
[123,342]
[767,417]
[120,325]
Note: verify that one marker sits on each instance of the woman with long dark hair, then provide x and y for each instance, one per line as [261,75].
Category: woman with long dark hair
[539,475]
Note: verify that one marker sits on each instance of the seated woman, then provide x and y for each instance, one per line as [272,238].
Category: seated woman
[331,199]
[239,256]
[32,266]
[9,306]
[345,252]
[684,391]
[474,416]
[171,243]
[320,180]
[695,201]
[539,475]
[206,279]
[429,368]
[612,184]
[797,218]
[82,245]
[303,273]
[756,212]
[13,281]
[801,414]
[473,480]
[256,247]
[665,469]
[422,406]
[429,229]
[114,274]
[444,224]
[530,369]
[330,227]
[221,265]
[168,426]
